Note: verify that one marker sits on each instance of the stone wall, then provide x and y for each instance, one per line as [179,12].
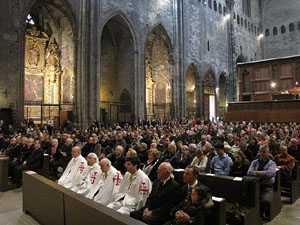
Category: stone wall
[278,13]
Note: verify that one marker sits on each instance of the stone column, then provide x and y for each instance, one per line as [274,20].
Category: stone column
[178,87]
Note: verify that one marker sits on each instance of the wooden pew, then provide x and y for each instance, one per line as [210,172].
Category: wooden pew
[4,181]
[234,191]
[276,204]
[43,199]
[51,203]
[291,189]
[45,170]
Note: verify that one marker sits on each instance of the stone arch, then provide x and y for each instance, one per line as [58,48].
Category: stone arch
[49,60]
[191,88]
[209,94]
[222,94]
[158,72]
[117,68]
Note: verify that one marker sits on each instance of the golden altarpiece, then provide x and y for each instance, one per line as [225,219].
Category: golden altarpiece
[42,91]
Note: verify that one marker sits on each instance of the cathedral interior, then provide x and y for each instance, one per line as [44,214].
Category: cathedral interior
[117,61]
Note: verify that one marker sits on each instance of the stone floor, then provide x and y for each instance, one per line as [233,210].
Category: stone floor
[11,211]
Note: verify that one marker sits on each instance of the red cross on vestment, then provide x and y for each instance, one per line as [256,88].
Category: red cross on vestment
[93,178]
[143,189]
[81,167]
[117,179]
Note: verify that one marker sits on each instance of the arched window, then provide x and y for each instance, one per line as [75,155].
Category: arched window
[245,23]
[282,29]
[238,19]
[267,33]
[249,26]
[299,26]
[224,11]
[208,46]
[215,6]
[242,21]
[209,3]
[220,9]
[292,27]
[234,17]
[274,30]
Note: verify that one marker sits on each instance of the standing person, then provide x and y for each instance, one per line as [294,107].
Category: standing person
[162,198]
[134,190]
[50,124]
[75,171]
[265,169]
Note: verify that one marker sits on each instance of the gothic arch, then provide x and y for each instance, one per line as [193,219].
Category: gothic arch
[222,93]
[191,90]
[117,68]
[209,94]
[240,59]
[53,70]
[158,72]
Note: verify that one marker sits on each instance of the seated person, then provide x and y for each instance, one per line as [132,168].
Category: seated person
[76,170]
[33,162]
[285,163]
[108,186]
[184,159]
[134,190]
[195,209]
[200,160]
[117,159]
[240,166]
[265,169]
[162,198]
[221,163]
[153,162]
[130,153]
[92,177]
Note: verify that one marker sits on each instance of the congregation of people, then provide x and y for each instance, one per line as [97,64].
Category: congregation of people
[130,168]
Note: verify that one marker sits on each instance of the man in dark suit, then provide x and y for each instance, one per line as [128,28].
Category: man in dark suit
[162,198]
[33,162]
[117,159]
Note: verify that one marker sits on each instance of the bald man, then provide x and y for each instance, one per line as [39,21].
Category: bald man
[76,170]
[108,185]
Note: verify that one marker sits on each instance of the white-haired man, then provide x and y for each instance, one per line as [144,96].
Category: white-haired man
[93,176]
[109,182]
[76,170]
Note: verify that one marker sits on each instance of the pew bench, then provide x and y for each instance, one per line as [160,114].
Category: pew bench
[291,189]
[50,203]
[5,184]
[276,204]
[234,190]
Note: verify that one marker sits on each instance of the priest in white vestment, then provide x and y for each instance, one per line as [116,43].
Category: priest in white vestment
[76,170]
[93,176]
[106,189]
[134,190]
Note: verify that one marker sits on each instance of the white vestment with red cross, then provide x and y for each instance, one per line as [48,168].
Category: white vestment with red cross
[75,172]
[134,192]
[108,186]
[92,179]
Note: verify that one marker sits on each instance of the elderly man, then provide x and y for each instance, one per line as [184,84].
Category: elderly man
[184,159]
[221,163]
[134,190]
[265,169]
[109,183]
[93,176]
[117,159]
[76,170]
[163,197]
[285,163]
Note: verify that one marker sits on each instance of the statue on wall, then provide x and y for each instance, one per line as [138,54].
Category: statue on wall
[52,57]
[33,55]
